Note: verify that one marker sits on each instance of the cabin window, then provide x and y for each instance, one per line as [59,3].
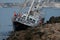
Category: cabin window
[23,17]
[33,21]
[35,7]
[18,19]
[30,19]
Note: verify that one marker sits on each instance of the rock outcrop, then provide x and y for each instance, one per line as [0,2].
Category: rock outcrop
[43,32]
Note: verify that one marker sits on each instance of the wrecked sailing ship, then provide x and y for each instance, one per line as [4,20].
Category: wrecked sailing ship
[34,15]
[30,19]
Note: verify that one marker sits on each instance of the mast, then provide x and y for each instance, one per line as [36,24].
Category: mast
[30,9]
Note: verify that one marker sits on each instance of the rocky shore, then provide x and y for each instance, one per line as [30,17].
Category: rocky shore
[42,32]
